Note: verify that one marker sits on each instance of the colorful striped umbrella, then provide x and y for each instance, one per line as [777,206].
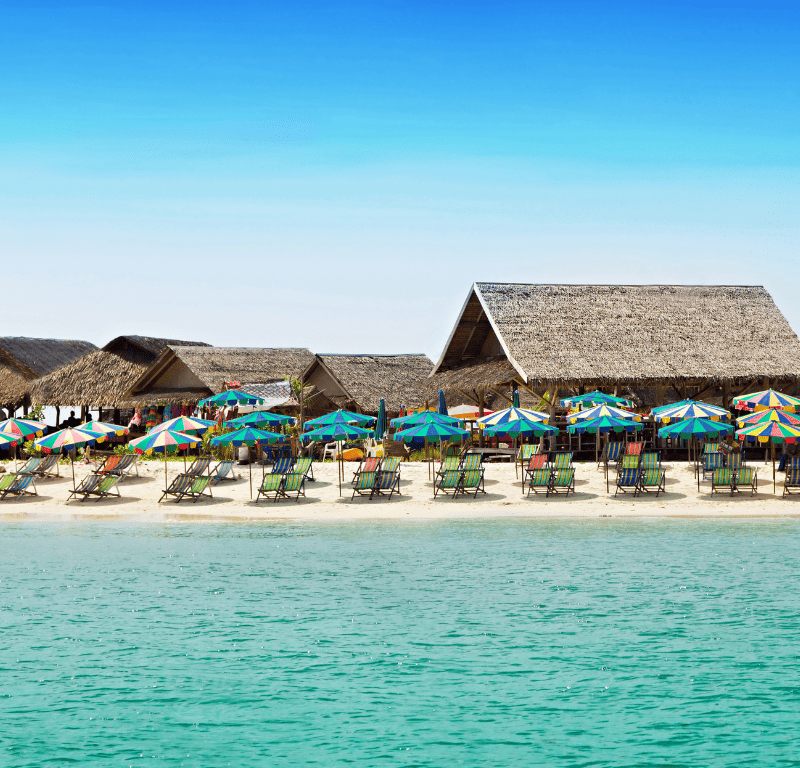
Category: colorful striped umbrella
[432,432]
[338,432]
[603,425]
[520,427]
[772,431]
[24,428]
[695,426]
[511,414]
[185,424]
[8,441]
[424,417]
[231,397]
[163,442]
[596,398]
[601,411]
[259,419]
[68,440]
[658,408]
[773,414]
[104,428]
[690,409]
[769,398]
[338,417]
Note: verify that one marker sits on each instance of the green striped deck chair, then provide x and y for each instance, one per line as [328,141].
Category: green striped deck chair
[198,488]
[653,478]
[447,482]
[710,447]
[199,466]
[562,481]
[223,471]
[471,461]
[722,479]
[391,464]
[745,477]
[386,484]
[538,480]
[293,483]
[627,479]
[283,465]
[363,484]
[630,462]
[471,482]
[450,464]
[6,481]
[270,486]
[305,466]
[734,461]
[791,483]
[634,449]
[712,461]
[370,464]
[85,487]
[31,466]
[106,488]
[562,460]
[650,460]
[19,487]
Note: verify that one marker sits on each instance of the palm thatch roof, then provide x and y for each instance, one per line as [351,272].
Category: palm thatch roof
[23,359]
[190,373]
[358,382]
[101,377]
[632,334]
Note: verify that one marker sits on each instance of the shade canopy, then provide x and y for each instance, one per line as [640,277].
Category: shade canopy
[600,411]
[68,440]
[8,441]
[768,398]
[604,424]
[424,417]
[772,414]
[338,417]
[185,424]
[690,409]
[512,414]
[521,427]
[596,398]
[163,442]
[338,432]
[769,431]
[24,428]
[248,436]
[231,397]
[695,426]
[432,432]
[104,428]
[259,419]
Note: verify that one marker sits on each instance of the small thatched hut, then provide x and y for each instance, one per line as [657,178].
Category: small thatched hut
[679,340]
[358,382]
[190,373]
[22,360]
[102,377]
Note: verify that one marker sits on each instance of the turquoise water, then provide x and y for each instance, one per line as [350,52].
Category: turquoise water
[514,643]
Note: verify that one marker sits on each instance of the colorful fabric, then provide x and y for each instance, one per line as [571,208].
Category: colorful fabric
[433,433]
[690,409]
[165,440]
[773,414]
[601,411]
[520,427]
[768,398]
[769,430]
[68,439]
[231,397]
[423,417]
[695,427]
[562,461]
[603,425]
[511,415]
[248,436]
[24,428]
[104,428]
[259,419]
[596,398]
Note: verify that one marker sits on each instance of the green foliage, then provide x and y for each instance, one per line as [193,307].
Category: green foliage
[121,450]
[31,449]
[36,413]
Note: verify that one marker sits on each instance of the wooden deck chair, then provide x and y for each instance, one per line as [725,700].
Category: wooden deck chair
[471,461]
[524,454]
[561,460]
[722,479]
[363,484]
[652,478]
[370,464]
[305,466]
[31,466]
[627,480]
[562,481]
[386,484]
[282,465]
[450,464]
[200,466]
[49,463]
[293,483]
[536,462]
[119,465]
[177,487]
[85,486]
[447,483]
[710,447]
[471,482]
[650,460]
[109,465]
[611,452]
[19,487]
[791,483]
[712,461]
[270,486]
[745,477]
[193,486]
[538,480]
[223,471]
[106,488]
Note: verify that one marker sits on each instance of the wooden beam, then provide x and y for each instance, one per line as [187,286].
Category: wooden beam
[472,333]
[498,392]
[469,397]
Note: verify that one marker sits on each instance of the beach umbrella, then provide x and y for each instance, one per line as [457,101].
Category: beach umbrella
[338,417]
[694,428]
[768,398]
[772,432]
[511,414]
[259,419]
[689,409]
[602,425]
[249,436]
[24,428]
[424,417]
[104,428]
[380,422]
[186,424]
[442,404]
[432,432]
[231,397]
[10,441]
[600,411]
[595,398]
[658,408]
[68,440]
[520,427]
[338,432]
[773,414]
[163,442]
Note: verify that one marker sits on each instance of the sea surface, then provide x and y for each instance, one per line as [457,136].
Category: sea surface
[479,643]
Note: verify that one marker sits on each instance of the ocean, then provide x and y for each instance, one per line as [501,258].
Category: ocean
[474,643]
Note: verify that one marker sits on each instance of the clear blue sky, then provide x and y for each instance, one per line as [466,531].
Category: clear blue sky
[336,175]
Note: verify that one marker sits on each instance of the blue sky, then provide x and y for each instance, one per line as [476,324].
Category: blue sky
[336,175]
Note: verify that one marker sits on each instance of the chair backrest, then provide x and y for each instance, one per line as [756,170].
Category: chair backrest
[794,463]
[293,481]
[450,478]
[563,477]
[634,449]
[364,481]
[111,463]
[282,465]
[628,477]
[272,481]
[471,461]
[537,461]
[527,450]
[302,464]
[200,483]
[199,465]
[630,462]
[562,460]
[472,478]
[614,450]
[370,464]
[792,477]
[390,464]
[107,483]
[712,460]
[21,482]
[735,460]
[126,460]
[449,464]
[711,448]
[746,475]
[48,462]
[385,480]
[650,461]
[722,476]
[90,482]
[539,477]
[181,483]
[223,467]
[6,481]
[651,476]
[31,465]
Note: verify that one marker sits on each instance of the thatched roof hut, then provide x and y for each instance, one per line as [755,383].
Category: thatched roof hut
[581,336]
[358,382]
[103,376]
[23,359]
[190,373]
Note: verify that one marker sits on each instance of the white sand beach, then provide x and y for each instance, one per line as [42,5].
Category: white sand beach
[231,499]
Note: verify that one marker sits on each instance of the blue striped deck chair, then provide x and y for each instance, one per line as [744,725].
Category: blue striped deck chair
[386,484]
[734,461]
[199,466]
[538,480]
[85,487]
[611,452]
[791,483]
[722,479]
[562,481]
[712,461]
[391,464]
[293,483]
[652,478]
[710,448]
[31,466]
[19,487]
[282,465]
[627,480]
[651,460]
[745,477]
[471,461]
[471,482]
[270,486]
[305,466]
[223,471]
[364,483]
[561,460]
[447,483]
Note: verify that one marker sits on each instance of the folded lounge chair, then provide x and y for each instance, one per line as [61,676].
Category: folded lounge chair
[193,486]
[223,471]
[745,477]
[471,482]
[562,481]
[538,480]
[19,486]
[447,482]
[722,479]
[652,479]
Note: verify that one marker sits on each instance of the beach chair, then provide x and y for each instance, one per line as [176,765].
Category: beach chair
[630,462]
[31,466]
[791,483]
[710,448]
[49,463]
[538,480]
[200,466]
[386,483]
[745,477]
[471,482]
[562,460]
[391,464]
[283,465]
[634,449]
[193,486]
[627,480]
[6,480]
[471,461]
[108,465]
[525,452]
[712,461]
[270,486]
[119,465]
[722,479]
[447,482]
[650,460]
[104,487]
[562,481]
[293,483]
[85,486]
[611,452]
[370,464]
[536,462]
[223,471]
[305,466]
[652,478]
[734,461]
[19,487]
[449,464]
[363,484]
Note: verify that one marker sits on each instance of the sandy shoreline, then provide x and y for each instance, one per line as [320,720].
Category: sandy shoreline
[503,499]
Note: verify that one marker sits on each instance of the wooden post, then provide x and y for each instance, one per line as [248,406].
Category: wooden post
[726,398]
[553,401]
[481,410]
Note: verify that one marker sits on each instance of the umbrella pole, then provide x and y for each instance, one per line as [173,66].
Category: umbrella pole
[72,464]
[597,447]
[341,465]
[166,484]
[250,467]
[774,487]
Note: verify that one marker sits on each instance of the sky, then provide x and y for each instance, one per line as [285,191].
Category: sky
[336,175]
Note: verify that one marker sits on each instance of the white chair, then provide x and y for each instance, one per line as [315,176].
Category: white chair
[371,447]
[331,451]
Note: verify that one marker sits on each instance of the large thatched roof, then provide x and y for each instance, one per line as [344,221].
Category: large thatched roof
[625,333]
[101,377]
[364,379]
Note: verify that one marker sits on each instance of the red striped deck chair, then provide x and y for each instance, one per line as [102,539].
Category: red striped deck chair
[634,449]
